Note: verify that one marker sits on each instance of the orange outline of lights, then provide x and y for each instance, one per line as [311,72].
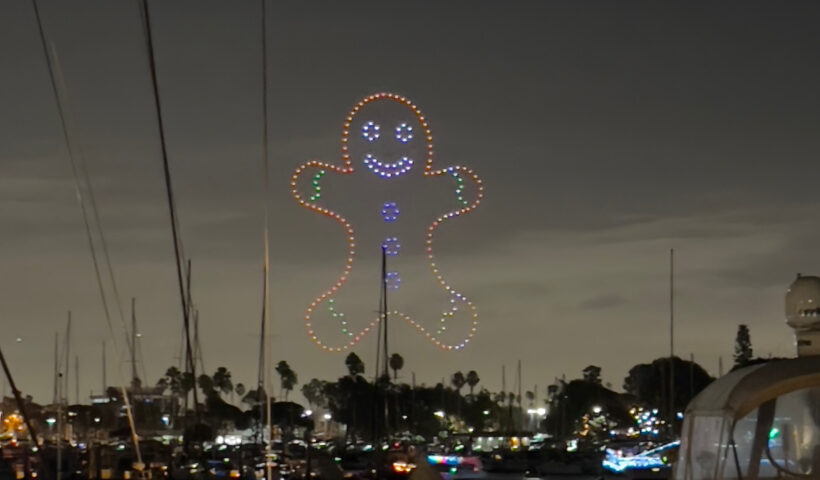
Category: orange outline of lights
[347,168]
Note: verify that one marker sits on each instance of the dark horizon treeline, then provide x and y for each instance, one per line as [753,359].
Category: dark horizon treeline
[381,406]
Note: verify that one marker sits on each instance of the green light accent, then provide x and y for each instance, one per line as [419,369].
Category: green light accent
[443,325]
[338,316]
[316,188]
[459,189]
[773,433]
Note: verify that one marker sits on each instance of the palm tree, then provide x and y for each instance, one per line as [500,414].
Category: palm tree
[458,381]
[287,377]
[396,364]
[472,380]
[172,380]
[355,365]
[206,384]
[222,380]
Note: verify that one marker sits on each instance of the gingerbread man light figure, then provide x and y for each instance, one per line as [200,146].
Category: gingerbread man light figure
[386,141]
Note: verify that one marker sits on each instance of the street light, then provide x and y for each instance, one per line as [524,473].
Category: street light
[439,413]
[596,409]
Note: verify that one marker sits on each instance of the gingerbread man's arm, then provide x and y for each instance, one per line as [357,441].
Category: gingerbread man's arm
[317,170]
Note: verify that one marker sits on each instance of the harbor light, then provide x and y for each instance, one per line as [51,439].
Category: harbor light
[596,409]
[439,413]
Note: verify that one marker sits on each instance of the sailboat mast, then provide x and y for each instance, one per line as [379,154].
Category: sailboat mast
[521,419]
[671,336]
[384,309]
[267,338]
[56,365]
[103,367]
[178,257]
[133,343]
[64,395]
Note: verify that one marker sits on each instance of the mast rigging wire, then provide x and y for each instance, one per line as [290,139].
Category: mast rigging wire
[58,89]
[103,243]
[146,19]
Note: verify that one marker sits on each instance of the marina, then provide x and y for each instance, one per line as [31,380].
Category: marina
[424,241]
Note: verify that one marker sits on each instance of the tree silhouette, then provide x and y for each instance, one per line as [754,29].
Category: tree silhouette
[396,364]
[313,392]
[222,380]
[355,365]
[472,380]
[255,397]
[650,383]
[287,377]
[205,383]
[458,381]
[187,382]
[578,398]
[592,374]
[743,346]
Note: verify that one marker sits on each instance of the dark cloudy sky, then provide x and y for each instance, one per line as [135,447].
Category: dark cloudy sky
[605,132]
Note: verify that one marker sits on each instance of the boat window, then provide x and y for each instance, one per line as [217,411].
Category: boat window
[704,450]
[790,444]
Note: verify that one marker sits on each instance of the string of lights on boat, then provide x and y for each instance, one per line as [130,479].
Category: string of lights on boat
[404,133]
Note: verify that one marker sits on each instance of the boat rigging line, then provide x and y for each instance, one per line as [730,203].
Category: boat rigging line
[146,20]
[58,88]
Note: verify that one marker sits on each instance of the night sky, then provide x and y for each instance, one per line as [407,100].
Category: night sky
[606,133]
